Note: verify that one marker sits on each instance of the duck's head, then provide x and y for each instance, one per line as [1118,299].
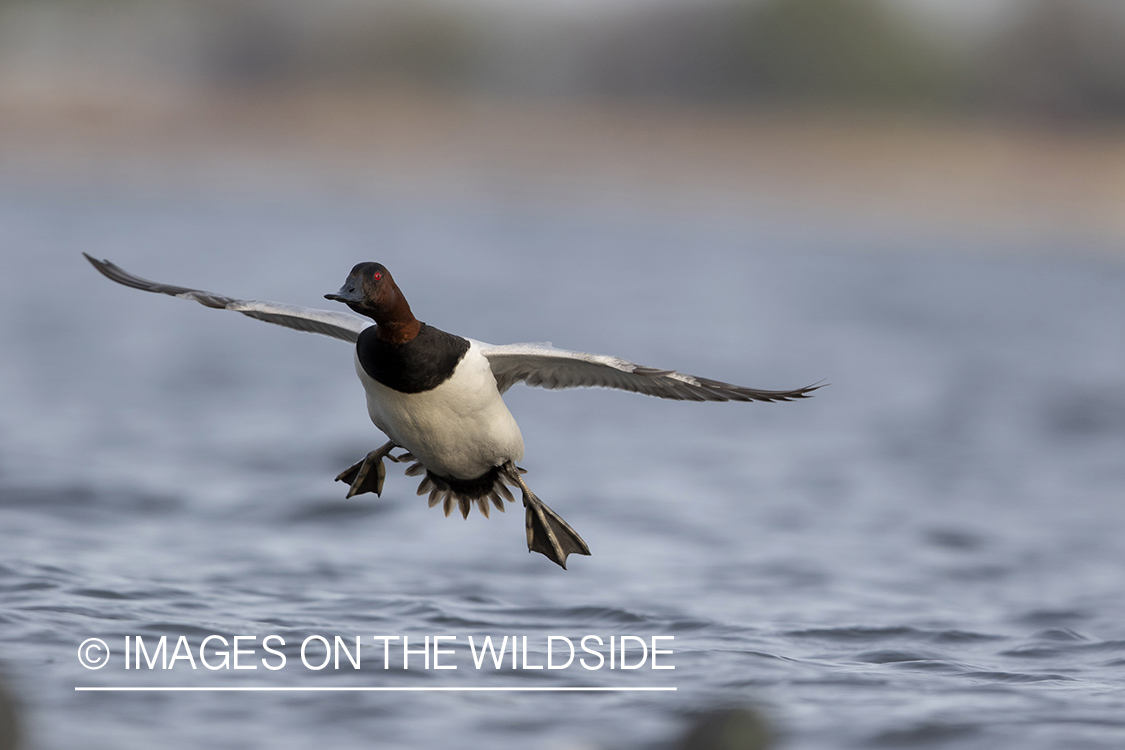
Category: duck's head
[370,290]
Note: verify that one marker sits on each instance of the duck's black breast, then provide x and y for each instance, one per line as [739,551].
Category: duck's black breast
[421,364]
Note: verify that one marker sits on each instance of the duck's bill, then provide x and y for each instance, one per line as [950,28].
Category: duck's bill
[347,293]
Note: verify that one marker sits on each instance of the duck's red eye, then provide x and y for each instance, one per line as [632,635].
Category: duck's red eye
[376,275]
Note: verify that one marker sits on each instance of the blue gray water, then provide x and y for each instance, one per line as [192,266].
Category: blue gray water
[927,554]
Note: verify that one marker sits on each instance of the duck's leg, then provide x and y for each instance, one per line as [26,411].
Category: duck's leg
[368,474]
[547,532]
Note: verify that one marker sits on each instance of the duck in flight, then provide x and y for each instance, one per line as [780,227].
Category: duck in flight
[438,396]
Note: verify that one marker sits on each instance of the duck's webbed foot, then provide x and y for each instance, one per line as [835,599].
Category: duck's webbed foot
[368,474]
[547,532]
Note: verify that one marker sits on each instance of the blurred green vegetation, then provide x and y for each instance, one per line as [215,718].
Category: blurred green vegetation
[1054,58]
[841,49]
[778,51]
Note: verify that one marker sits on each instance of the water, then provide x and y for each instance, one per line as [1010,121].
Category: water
[927,554]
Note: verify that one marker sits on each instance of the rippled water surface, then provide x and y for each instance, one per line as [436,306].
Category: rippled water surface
[927,554]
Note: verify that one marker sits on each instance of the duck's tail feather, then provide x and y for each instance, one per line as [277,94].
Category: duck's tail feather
[486,492]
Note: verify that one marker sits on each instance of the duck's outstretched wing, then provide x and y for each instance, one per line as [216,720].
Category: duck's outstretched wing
[339,325]
[548,367]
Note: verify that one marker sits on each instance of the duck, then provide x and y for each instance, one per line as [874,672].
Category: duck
[438,396]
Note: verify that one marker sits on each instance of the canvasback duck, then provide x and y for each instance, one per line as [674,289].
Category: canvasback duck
[438,396]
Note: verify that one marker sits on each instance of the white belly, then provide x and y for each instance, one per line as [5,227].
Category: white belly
[460,429]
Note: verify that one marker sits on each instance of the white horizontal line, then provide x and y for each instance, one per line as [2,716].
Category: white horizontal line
[374,689]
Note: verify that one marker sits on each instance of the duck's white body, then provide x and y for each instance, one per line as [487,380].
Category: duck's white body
[460,429]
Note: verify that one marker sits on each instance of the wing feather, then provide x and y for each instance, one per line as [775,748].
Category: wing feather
[534,364]
[547,367]
[333,323]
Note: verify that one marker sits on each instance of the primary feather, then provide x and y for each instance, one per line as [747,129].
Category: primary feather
[333,323]
[545,366]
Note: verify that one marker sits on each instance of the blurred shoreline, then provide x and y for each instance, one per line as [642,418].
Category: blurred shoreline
[406,139]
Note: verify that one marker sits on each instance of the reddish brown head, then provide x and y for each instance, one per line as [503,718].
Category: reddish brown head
[371,291]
